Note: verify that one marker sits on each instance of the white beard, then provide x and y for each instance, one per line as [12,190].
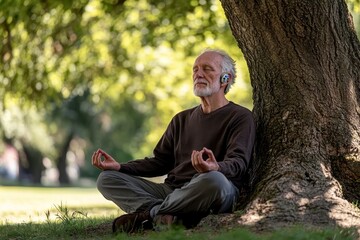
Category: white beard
[206,91]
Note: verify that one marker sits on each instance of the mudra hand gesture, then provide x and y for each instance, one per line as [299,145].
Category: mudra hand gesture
[104,161]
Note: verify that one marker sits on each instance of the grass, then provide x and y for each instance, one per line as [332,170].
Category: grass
[32,204]
[82,213]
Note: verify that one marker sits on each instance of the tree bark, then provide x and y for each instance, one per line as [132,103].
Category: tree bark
[304,64]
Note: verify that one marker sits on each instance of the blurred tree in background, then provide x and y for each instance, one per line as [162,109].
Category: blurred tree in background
[79,75]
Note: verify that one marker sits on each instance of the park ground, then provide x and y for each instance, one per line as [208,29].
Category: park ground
[82,213]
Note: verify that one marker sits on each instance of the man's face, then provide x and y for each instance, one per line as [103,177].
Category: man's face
[206,74]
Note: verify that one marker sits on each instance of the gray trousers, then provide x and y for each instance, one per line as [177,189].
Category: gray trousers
[205,193]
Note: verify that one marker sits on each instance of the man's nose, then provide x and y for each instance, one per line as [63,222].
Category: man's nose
[198,73]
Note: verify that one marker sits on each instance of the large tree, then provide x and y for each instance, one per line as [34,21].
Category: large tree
[304,64]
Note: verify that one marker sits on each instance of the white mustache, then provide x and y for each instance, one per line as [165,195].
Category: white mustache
[197,81]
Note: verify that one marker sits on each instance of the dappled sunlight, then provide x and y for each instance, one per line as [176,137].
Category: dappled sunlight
[254,215]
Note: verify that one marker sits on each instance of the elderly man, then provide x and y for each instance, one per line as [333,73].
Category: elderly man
[205,152]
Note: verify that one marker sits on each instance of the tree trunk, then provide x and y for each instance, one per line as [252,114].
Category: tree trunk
[304,63]
[61,161]
[33,158]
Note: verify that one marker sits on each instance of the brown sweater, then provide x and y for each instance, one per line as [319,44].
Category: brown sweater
[228,131]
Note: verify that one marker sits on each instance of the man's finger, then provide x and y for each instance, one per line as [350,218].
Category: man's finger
[94,157]
[193,157]
[103,153]
[194,160]
[98,160]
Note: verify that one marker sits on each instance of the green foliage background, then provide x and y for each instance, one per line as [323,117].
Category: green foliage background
[108,73]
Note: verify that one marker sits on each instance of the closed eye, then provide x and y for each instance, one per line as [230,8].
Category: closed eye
[208,68]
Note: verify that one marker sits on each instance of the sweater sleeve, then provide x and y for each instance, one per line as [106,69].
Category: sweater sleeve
[239,148]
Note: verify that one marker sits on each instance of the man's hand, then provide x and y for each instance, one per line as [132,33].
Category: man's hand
[204,165]
[104,161]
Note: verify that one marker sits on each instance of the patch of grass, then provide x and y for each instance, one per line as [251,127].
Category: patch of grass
[301,233]
[294,233]
[68,224]
[85,228]
[78,229]
[74,218]
[28,204]
[64,214]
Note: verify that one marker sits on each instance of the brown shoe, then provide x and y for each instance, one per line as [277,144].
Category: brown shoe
[132,222]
